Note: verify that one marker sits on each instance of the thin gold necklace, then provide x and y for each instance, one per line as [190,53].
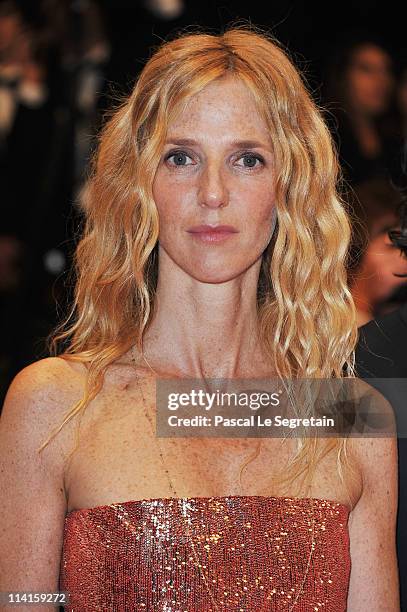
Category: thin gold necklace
[189,536]
[176,496]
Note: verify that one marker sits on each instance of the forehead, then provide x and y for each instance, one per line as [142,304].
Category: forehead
[224,105]
[372,55]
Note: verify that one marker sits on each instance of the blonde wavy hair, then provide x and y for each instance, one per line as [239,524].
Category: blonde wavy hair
[305,311]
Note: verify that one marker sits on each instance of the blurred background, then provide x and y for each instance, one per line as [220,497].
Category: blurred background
[63,63]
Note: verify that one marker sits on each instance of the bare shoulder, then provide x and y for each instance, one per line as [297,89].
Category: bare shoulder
[48,372]
[47,380]
[40,394]
[33,502]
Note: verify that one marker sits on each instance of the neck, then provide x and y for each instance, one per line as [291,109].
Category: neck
[205,329]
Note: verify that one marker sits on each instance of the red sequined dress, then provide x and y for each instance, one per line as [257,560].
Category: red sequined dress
[234,554]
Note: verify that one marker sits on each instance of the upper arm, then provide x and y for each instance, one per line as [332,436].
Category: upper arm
[372,525]
[32,501]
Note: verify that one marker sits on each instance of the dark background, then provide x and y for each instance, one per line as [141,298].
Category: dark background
[38,181]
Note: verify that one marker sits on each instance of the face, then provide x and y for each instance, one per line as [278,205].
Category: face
[10,30]
[370,80]
[382,261]
[216,169]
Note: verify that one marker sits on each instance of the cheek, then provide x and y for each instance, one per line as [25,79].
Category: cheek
[257,198]
[259,205]
[359,85]
[364,85]
[353,83]
[258,221]
[382,263]
[169,196]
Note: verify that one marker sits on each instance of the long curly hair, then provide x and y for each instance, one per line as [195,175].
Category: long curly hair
[305,311]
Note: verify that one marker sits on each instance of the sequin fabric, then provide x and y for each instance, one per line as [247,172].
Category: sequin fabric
[255,552]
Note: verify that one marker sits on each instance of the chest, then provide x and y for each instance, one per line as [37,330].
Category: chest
[120,458]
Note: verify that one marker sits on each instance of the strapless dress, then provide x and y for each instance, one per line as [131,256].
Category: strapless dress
[202,554]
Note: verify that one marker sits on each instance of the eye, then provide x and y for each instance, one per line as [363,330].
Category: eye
[251,159]
[179,158]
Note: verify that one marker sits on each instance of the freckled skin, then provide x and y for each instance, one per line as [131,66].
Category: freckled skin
[213,184]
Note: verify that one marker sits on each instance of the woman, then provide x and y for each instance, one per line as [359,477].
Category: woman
[218,131]
[381,355]
[360,90]
[376,274]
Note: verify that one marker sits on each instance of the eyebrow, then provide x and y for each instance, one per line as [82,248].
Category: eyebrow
[244,144]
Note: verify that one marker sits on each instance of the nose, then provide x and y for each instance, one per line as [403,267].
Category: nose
[212,192]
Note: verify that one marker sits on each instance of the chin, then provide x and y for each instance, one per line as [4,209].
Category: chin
[214,275]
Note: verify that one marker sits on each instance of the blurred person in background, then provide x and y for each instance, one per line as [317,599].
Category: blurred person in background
[52,63]
[26,128]
[376,280]
[382,343]
[25,125]
[52,75]
[79,31]
[381,357]
[359,89]
[375,262]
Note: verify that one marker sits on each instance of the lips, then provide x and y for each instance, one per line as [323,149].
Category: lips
[204,229]
[212,233]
